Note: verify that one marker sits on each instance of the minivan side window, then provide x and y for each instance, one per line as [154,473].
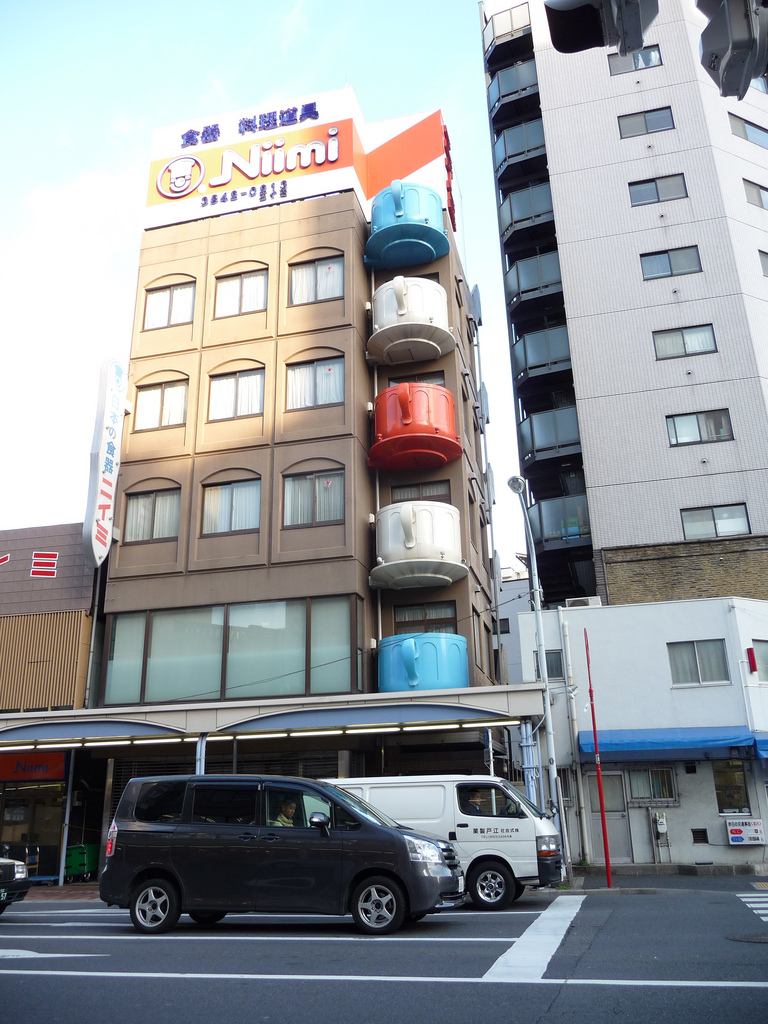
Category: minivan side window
[160,801]
[489,801]
[343,818]
[224,805]
[291,808]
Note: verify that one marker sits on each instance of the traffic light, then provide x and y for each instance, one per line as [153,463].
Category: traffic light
[576,25]
[734,45]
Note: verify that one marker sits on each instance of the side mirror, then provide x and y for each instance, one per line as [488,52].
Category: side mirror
[319,820]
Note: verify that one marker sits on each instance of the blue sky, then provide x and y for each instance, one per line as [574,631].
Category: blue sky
[86,83]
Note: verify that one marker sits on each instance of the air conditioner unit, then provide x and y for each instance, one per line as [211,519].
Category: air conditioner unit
[583,602]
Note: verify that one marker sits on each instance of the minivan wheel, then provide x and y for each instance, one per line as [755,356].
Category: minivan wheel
[206,917]
[491,886]
[155,906]
[378,906]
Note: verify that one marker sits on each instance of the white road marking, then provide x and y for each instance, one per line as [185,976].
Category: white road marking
[245,937]
[527,960]
[18,954]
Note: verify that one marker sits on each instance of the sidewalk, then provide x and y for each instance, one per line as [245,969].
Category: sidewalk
[75,891]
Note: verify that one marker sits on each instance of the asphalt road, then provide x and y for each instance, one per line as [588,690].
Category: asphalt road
[685,956]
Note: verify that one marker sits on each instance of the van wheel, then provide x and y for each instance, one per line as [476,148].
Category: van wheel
[491,886]
[155,906]
[378,906]
[206,917]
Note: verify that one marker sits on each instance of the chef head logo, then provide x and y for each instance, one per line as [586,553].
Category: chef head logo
[179,177]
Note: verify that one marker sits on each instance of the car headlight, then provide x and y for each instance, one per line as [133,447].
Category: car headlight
[20,870]
[421,850]
[547,846]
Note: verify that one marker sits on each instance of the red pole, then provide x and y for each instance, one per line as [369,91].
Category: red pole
[599,769]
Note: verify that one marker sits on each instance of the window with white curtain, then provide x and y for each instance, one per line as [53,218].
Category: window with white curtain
[684,341]
[312,499]
[761,657]
[241,293]
[161,405]
[166,307]
[714,521]
[317,281]
[231,507]
[698,662]
[153,515]
[318,383]
[700,427]
[435,617]
[236,394]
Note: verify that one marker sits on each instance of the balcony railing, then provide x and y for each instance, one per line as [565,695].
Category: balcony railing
[521,208]
[505,25]
[540,349]
[561,520]
[537,275]
[524,140]
[511,82]
[546,432]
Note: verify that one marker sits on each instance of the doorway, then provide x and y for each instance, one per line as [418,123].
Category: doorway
[616,818]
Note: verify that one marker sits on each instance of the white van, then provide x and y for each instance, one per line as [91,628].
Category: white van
[504,842]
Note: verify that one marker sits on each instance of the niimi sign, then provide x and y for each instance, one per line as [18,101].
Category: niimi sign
[105,464]
[309,147]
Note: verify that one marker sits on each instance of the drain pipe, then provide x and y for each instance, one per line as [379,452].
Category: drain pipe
[570,691]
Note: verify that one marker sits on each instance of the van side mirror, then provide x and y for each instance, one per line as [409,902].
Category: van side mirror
[319,820]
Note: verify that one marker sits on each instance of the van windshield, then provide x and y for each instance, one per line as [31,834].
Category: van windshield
[363,809]
[522,799]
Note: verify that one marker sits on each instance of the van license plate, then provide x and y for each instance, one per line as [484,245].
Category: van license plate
[3,895]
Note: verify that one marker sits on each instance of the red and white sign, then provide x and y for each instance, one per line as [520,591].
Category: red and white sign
[744,831]
[105,464]
[44,563]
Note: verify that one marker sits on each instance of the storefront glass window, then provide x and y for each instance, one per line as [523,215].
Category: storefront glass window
[730,787]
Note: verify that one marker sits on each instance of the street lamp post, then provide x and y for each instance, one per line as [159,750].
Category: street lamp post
[517,485]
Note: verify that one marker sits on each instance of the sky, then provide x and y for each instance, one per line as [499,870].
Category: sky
[85,85]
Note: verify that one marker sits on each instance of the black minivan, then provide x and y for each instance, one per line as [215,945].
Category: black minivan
[209,845]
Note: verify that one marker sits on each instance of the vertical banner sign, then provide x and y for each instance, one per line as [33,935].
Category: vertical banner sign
[105,464]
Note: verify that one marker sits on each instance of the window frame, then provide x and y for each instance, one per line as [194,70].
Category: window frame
[624,119]
[655,182]
[761,658]
[701,682]
[236,374]
[752,188]
[758,136]
[763,261]
[153,494]
[315,363]
[315,474]
[316,263]
[420,485]
[701,439]
[232,484]
[669,254]
[682,331]
[424,620]
[263,273]
[145,389]
[633,775]
[713,509]
[615,61]
[170,288]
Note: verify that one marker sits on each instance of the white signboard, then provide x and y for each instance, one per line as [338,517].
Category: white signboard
[105,464]
[745,831]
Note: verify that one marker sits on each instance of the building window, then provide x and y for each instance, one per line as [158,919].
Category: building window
[162,405]
[715,521]
[434,377]
[314,499]
[730,787]
[241,293]
[166,307]
[648,57]
[672,263]
[700,427]
[685,341]
[759,84]
[503,626]
[437,617]
[317,281]
[152,516]
[761,656]
[652,785]
[764,262]
[747,130]
[236,394]
[698,662]
[756,194]
[317,383]
[228,508]
[657,190]
[554,664]
[439,490]
[646,122]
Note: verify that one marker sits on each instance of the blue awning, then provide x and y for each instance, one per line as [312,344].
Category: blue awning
[85,729]
[667,744]
[761,744]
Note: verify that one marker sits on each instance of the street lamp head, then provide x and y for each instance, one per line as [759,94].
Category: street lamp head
[516,484]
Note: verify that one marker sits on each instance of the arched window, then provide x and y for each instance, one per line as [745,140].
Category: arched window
[170,305]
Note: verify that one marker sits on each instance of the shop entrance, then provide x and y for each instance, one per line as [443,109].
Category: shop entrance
[31,816]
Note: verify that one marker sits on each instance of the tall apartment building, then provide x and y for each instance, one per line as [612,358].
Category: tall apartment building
[632,211]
